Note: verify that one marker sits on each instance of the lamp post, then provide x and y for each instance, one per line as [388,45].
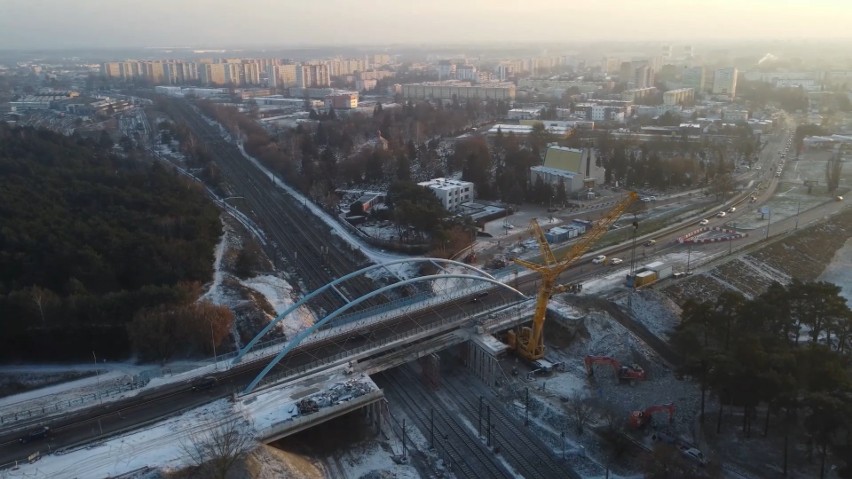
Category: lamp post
[798,208]
[213,342]
[768,222]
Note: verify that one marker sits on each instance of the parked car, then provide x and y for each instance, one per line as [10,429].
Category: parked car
[704,222]
[721,214]
[616,261]
[599,259]
[694,454]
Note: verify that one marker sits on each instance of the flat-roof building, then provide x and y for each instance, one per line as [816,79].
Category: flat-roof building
[451,193]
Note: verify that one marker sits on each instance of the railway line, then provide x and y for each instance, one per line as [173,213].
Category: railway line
[306,243]
[530,456]
[466,455]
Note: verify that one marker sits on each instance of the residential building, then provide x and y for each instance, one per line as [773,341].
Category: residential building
[693,77]
[466,72]
[459,90]
[638,94]
[312,75]
[680,96]
[525,113]
[451,193]
[725,82]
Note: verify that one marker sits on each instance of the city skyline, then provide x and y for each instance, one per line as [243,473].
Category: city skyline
[55,24]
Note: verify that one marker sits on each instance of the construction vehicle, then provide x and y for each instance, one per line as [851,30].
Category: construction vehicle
[640,419]
[528,342]
[623,372]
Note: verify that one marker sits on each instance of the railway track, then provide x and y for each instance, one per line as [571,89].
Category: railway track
[308,245]
[466,455]
[530,456]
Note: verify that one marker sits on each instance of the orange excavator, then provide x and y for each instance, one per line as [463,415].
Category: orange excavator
[623,372]
[640,419]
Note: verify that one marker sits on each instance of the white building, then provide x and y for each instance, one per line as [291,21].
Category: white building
[525,113]
[679,96]
[734,115]
[451,193]
[574,168]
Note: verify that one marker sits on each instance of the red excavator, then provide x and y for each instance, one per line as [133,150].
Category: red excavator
[632,372]
[640,419]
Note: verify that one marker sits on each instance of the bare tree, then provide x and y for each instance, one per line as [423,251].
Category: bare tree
[215,450]
[581,409]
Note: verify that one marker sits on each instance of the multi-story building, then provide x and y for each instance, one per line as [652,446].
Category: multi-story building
[734,115]
[451,193]
[446,70]
[572,167]
[466,72]
[459,90]
[638,94]
[680,96]
[283,76]
[314,75]
[342,101]
[725,82]
[693,77]
[643,77]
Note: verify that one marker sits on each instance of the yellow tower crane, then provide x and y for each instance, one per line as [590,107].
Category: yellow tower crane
[529,342]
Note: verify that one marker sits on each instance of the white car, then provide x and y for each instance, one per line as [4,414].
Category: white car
[704,222]
[599,259]
[694,454]
[721,214]
[732,209]
[616,261]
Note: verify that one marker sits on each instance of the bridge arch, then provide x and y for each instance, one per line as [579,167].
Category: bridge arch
[340,280]
[316,326]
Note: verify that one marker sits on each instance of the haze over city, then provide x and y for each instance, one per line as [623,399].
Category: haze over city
[54,24]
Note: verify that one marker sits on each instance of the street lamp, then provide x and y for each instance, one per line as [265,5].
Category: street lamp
[213,342]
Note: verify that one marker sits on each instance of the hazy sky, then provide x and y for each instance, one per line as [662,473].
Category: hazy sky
[224,23]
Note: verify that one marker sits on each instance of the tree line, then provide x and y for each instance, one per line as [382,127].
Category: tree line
[89,241]
[783,358]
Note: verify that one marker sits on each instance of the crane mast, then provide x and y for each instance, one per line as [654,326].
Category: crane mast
[529,342]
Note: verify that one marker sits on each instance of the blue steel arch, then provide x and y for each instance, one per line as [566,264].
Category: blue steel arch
[307,332]
[334,283]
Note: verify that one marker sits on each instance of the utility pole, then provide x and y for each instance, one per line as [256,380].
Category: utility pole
[527,409]
[480,416]
[688,254]
[432,428]
[488,412]
[798,208]
[731,240]
[768,222]
[213,342]
[404,449]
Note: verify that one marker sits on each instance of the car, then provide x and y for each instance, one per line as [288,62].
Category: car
[704,222]
[679,274]
[646,199]
[838,198]
[650,242]
[732,209]
[757,167]
[35,435]
[614,261]
[509,226]
[694,454]
[599,259]
[479,296]
[721,214]
[205,383]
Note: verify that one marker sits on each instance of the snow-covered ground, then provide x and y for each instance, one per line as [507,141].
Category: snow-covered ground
[839,271]
[280,295]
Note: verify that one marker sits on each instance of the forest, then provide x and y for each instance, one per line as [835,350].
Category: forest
[781,359]
[89,243]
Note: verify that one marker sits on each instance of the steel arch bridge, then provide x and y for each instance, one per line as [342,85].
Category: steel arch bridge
[480,276]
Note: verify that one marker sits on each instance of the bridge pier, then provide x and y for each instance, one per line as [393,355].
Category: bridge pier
[483,359]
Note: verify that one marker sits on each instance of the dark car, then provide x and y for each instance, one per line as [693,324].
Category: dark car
[36,435]
[479,296]
[205,383]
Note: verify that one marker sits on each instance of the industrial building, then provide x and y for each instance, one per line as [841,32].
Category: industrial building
[573,168]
